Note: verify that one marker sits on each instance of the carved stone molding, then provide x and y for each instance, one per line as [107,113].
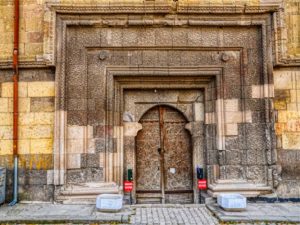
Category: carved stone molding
[183,15]
[150,7]
[59,11]
[196,8]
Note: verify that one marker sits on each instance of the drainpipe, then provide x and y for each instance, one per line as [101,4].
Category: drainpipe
[16,101]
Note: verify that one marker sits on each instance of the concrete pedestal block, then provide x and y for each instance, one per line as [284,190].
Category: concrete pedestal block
[109,202]
[232,202]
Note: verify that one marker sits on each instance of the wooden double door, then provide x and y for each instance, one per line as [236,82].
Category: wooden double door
[164,158]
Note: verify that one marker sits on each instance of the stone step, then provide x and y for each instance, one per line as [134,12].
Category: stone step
[237,186]
[85,193]
[148,195]
[90,192]
[148,198]
[206,198]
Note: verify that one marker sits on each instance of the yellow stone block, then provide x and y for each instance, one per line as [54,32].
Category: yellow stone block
[282,117]
[26,119]
[293,115]
[291,141]
[44,118]
[6,37]
[6,147]
[294,96]
[293,125]
[8,91]
[34,23]
[280,128]
[298,95]
[33,49]
[36,131]
[36,118]
[6,132]
[3,104]
[41,146]
[292,107]
[6,119]
[24,105]
[280,104]
[41,89]
[24,146]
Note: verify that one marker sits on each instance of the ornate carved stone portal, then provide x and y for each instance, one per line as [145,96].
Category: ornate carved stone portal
[164,153]
[204,69]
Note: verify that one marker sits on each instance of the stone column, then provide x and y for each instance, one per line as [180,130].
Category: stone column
[196,129]
[130,131]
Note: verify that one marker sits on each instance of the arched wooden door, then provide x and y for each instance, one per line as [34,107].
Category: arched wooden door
[163,158]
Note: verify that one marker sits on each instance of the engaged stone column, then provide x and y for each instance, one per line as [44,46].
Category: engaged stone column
[130,131]
[196,130]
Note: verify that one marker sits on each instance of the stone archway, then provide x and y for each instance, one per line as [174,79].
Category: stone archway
[164,158]
[187,104]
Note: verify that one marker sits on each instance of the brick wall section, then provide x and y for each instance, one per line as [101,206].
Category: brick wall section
[36,121]
[33,28]
[292,16]
[287,106]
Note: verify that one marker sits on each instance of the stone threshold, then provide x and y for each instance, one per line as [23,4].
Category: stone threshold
[85,193]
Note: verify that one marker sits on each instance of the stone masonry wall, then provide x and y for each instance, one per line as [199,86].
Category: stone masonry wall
[37,99]
[36,121]
[287,106]
[34,28]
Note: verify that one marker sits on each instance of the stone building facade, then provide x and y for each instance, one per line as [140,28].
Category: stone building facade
[157,87]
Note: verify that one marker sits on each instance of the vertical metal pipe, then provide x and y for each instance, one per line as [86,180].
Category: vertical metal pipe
[15,99]
[15,188]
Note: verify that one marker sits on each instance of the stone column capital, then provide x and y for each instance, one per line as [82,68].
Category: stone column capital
[131,128]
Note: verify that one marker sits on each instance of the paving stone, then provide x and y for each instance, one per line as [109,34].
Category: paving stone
[173,214]
[282,213]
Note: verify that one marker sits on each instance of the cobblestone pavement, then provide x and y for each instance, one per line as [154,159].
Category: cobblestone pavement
[155,214]
[173,214]
[280,213]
